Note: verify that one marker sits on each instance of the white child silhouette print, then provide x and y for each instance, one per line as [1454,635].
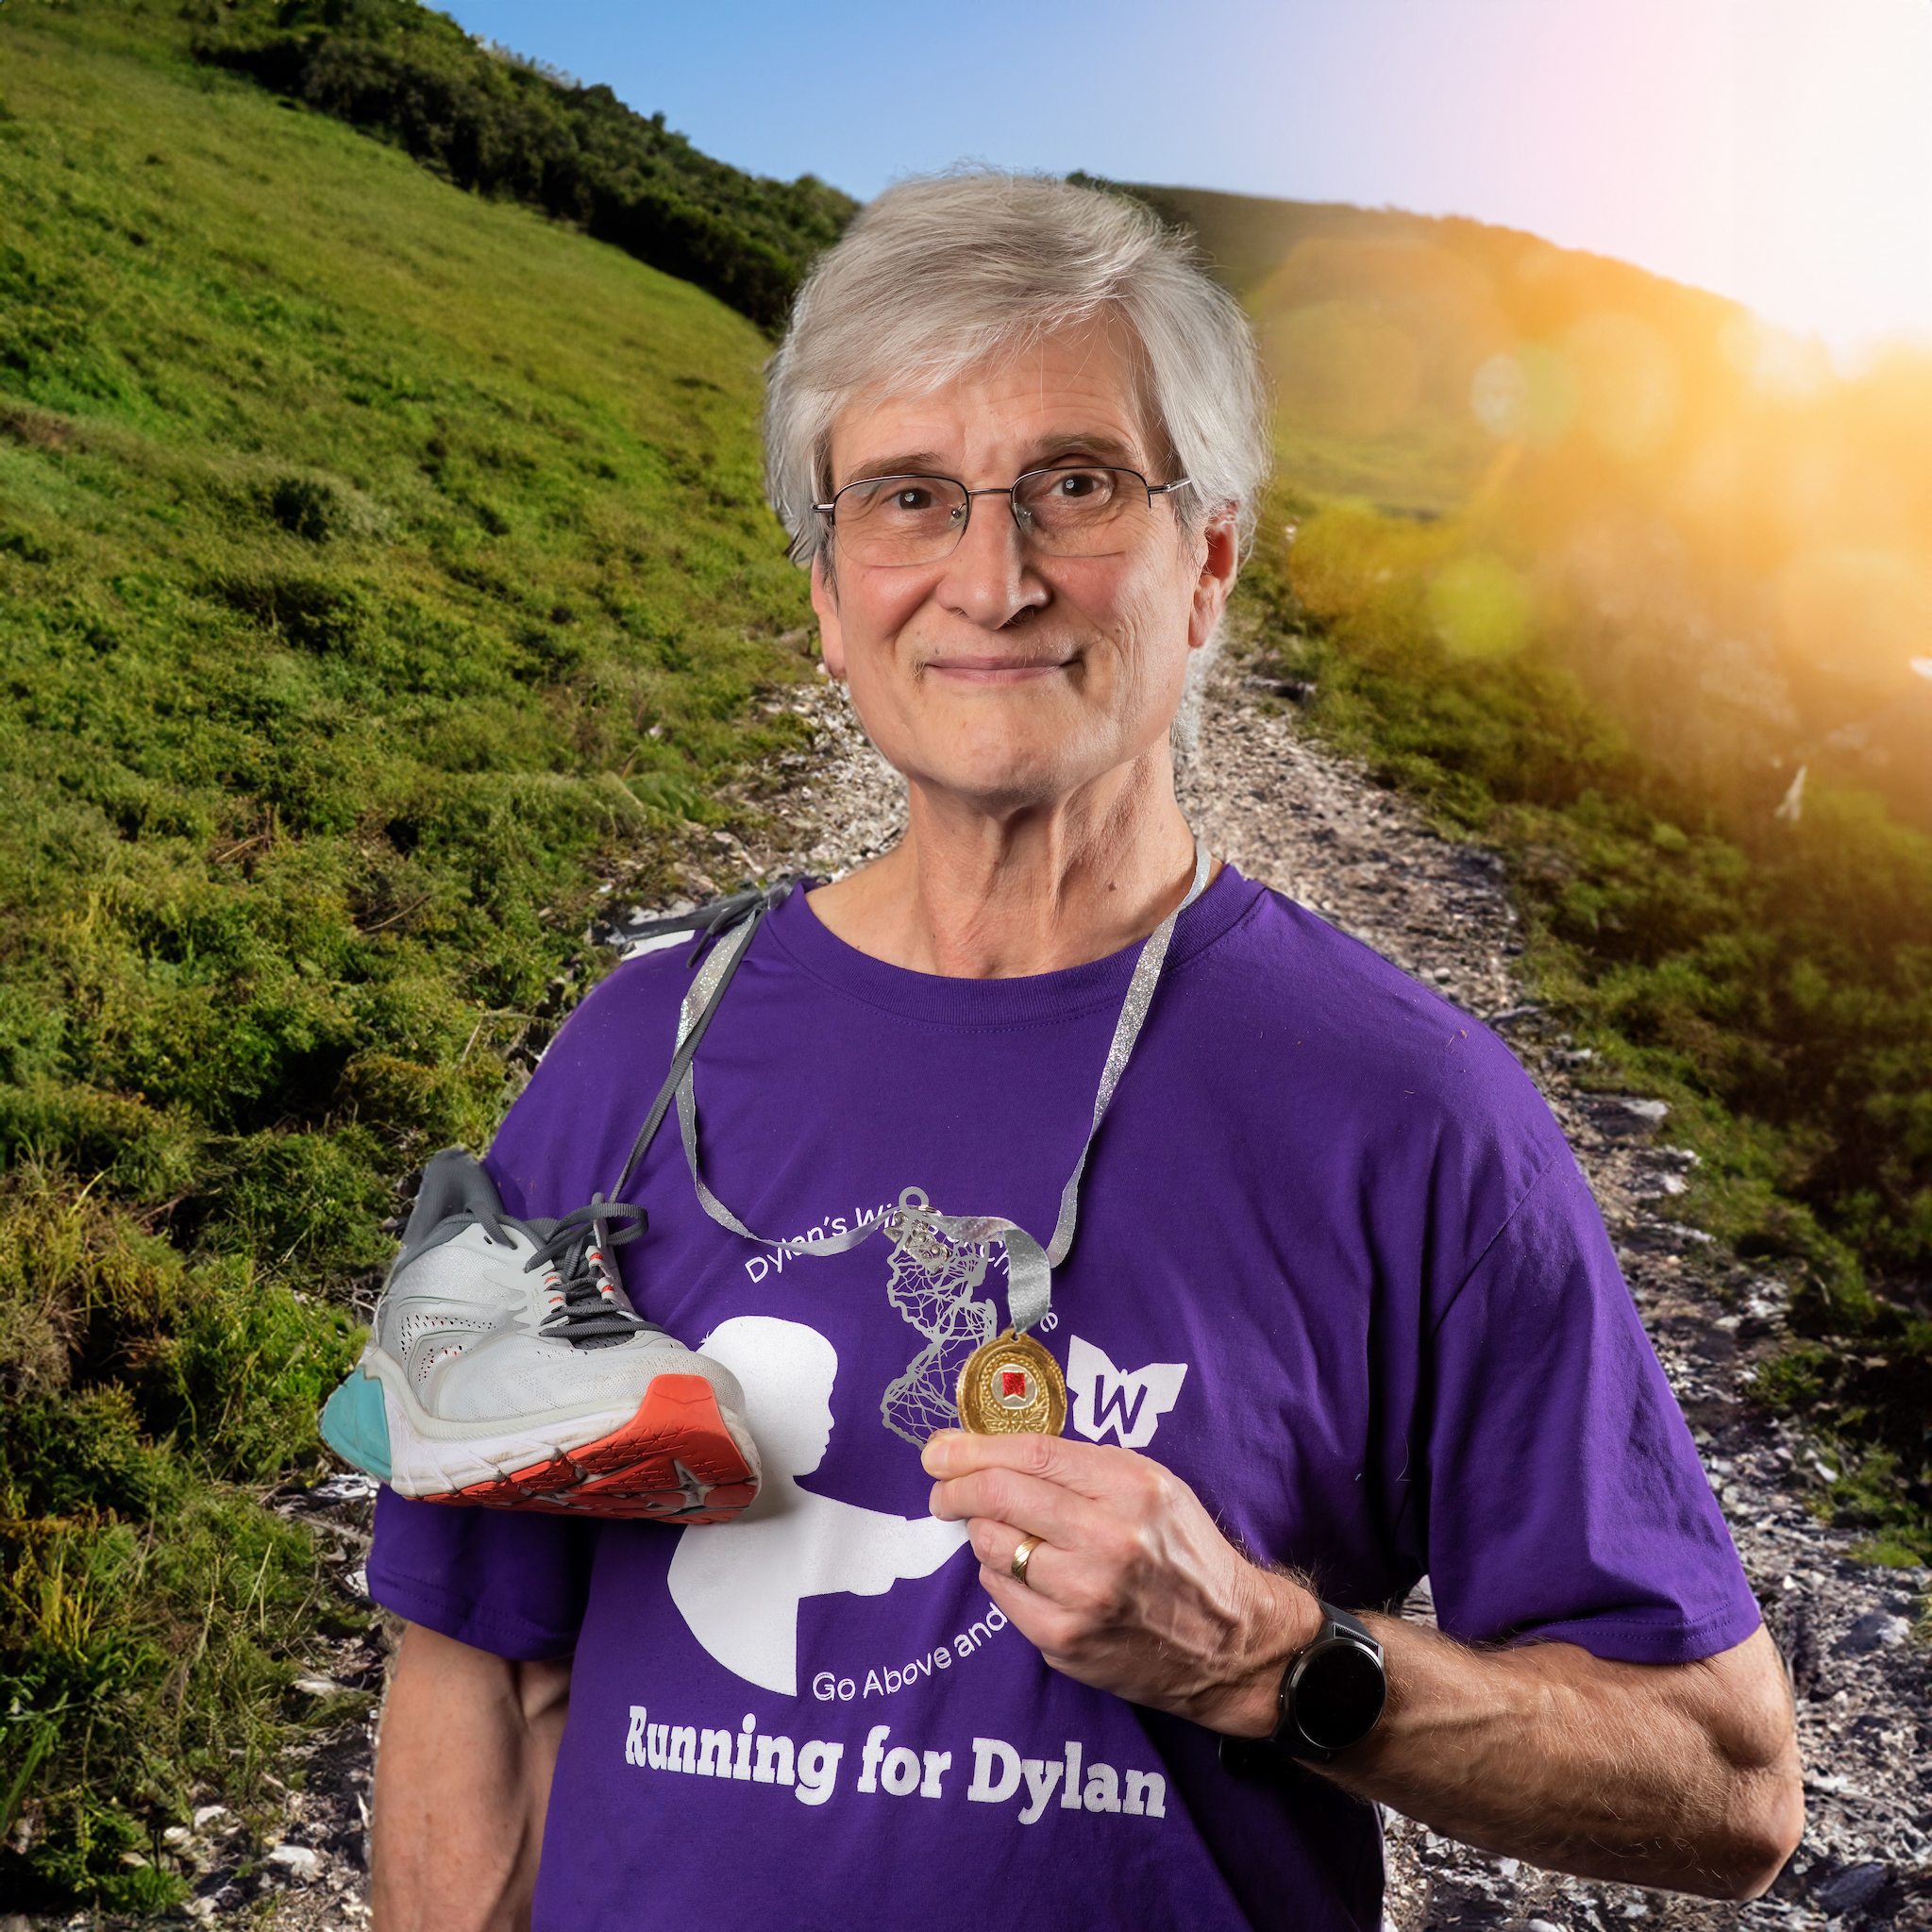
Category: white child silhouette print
[737,1585]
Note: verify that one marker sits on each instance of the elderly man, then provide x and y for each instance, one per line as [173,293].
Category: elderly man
[1326,1304]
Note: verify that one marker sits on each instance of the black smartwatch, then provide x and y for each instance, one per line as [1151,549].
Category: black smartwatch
[1331,1695]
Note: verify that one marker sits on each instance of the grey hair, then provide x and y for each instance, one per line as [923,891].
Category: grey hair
[942,273]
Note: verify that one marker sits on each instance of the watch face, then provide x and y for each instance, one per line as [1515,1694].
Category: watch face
[1338,1694]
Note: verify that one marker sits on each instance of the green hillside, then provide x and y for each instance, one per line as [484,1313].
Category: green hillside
[380,567]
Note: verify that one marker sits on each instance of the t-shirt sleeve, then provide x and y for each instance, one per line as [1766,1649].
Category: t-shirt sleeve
[510,1584]
[1566,1499]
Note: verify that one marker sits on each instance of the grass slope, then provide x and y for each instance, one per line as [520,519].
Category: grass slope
[379,566]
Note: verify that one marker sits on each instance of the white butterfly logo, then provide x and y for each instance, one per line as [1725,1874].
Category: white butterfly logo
[1100,1399]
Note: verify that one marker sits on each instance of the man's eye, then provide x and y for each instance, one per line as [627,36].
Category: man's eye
[912,499]
[1077,483]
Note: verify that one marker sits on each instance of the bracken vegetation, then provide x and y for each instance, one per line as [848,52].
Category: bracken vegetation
[358,619]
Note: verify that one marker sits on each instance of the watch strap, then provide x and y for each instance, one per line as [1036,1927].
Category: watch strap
[1336,1620]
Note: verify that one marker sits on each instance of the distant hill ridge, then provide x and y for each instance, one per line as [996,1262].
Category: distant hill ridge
[1376,324]
[515,131]
[1246,237]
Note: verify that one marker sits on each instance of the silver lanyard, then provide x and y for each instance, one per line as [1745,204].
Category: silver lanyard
[1029,1267]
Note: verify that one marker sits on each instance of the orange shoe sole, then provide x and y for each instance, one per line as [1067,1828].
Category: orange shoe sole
[674,1461]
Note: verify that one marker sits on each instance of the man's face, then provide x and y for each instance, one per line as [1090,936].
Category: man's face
[999,675]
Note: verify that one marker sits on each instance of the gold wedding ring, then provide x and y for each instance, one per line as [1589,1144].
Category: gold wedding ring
[1024,1556]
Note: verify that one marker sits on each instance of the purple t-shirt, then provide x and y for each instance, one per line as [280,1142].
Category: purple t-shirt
[1336,1268]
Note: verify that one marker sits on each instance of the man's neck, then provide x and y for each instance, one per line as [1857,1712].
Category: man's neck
[974,895]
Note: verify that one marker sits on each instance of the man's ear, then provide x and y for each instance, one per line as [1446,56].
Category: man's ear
[832,641]
[1220,566]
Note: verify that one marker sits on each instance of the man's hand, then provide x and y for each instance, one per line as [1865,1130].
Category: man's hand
[1132,1589]
[1683,1777]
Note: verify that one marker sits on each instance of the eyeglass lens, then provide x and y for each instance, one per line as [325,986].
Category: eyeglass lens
[1064,513]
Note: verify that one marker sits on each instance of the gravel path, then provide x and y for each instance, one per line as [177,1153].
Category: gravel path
[1266,796]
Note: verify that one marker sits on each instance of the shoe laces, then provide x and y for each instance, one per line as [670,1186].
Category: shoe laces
[584,1303]
[715,917]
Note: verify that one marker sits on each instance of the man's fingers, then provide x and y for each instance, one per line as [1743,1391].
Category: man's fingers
[1084,1466]
[1026,1504]
[1056,1628]
[995,1544]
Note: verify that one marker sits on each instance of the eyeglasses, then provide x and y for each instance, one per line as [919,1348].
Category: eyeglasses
[1076,510]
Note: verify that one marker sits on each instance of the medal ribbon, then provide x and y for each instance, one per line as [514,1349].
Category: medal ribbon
[1029,1267]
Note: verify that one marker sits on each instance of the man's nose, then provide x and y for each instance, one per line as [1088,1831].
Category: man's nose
[989,578]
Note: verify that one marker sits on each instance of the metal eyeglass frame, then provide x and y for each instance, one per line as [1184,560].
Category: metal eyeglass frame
[830,510]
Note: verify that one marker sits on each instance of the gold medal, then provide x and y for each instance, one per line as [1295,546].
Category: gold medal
[1011,1387]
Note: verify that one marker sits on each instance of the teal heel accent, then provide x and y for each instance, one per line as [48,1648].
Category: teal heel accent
[355,1424]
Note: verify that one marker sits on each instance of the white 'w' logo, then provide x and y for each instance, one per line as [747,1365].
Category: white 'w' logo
[1100,1399]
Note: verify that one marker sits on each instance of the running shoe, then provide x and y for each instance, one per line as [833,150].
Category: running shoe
[505,1366]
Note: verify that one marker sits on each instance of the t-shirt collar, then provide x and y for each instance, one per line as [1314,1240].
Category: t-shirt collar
[938,1000]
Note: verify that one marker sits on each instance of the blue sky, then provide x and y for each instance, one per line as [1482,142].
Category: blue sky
[1779,151]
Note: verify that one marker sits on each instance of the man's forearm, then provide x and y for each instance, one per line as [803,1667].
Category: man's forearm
[462,1778]
[1683,1777]
[1677,1775]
